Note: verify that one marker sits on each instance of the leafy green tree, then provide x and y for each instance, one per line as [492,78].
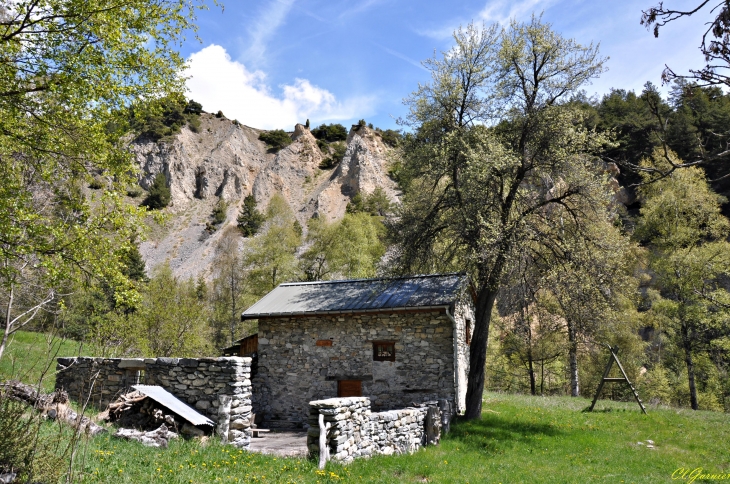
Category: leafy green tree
[350,248]
[162,118]
[175,320]
[69,71]
[338,153]
[687,235]
[231,294]
[276,139]
[158,196]
[476,194]
[376,203]
[330,132]
[271,255]
[249,220]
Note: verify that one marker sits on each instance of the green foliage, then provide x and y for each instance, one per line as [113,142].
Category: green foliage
[276,139]
[330,132]
[230,293]
[67,80]
[249,219]
[134,191]
[164,117]
[25,449]
[173,318]
[133,264]
[349,249]
[472,198]
[219,114]
[158,196]
[219,212]
[96,183]
[391,137]
[338,152]
[689,255]
[271,256]
[376,203]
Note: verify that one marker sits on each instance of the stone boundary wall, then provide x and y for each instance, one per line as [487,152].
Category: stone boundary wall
[202,383]
[357,432]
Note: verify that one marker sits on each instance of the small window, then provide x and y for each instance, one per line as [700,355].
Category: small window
[383,351]
[349,388]
[468,331]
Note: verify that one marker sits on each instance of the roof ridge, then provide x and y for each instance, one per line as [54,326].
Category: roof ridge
[342,281]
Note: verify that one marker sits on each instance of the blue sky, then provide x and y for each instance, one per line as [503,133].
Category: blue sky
[272,63]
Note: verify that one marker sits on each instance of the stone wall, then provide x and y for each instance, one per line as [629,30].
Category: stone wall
[200,382]
[302,358]
[357,432]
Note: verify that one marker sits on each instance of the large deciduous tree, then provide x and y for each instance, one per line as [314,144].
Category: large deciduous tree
[689,256]
[68,71]
[492,157]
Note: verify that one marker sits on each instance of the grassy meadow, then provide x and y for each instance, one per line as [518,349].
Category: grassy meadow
[520,439]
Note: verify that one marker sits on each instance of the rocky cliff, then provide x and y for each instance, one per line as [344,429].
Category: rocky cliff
[225,160]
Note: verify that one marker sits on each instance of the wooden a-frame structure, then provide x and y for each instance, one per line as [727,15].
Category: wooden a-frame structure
[611,359]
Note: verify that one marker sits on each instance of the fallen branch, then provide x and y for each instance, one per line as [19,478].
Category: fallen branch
[53,405]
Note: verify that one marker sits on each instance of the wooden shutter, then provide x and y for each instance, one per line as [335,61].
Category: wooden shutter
[349,388]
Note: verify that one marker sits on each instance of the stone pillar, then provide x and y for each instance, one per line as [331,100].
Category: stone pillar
[224,417]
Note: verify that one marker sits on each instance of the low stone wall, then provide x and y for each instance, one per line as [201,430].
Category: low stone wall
[200,382]
[357,432]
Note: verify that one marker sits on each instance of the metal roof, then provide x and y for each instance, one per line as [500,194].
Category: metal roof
[361,295]
[170,401]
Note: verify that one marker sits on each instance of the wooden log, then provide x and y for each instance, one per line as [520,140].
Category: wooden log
[54,405]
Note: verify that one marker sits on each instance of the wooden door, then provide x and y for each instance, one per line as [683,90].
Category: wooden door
[349,388]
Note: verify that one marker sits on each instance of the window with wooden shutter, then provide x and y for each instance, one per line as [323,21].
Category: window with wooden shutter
[383,351]
[349,388]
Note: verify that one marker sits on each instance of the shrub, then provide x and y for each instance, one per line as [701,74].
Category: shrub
[159,194]
[250,219]
[376,204]
[219,114]
[330,133]
[339,150]
[193,107]
[194,124]
[219,212]
[96,183]
[276,139]
[391,137]
[25,449]
[163,118]
[134,191]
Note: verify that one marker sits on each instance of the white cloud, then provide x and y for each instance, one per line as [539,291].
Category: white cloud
[219,83]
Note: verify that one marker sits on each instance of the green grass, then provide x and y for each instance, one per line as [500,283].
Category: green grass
[30,356]
[519,439]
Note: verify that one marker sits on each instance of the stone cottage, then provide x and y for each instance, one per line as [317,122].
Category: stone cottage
[396,341]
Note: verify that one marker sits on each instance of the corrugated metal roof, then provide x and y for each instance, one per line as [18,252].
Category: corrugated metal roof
[437,290]
[170,401]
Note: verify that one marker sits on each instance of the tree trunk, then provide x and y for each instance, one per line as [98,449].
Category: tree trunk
[8,322]
[573,360]
[531,368]
[687,344]
[478,353]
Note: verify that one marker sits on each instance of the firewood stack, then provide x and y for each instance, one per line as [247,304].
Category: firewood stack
[137,410]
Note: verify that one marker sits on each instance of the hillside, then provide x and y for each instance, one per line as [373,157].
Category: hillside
[225,160]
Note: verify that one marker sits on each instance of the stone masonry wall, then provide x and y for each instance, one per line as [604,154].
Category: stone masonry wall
[357,432]
[301,359]
[197,381]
